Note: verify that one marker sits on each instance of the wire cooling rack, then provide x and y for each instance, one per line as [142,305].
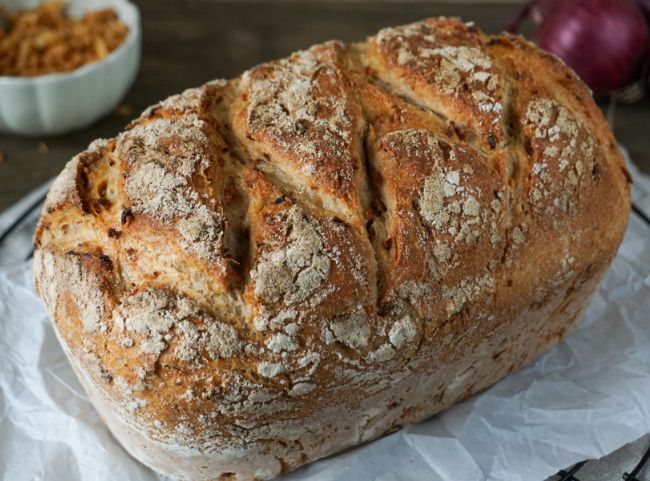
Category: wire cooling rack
[629,463]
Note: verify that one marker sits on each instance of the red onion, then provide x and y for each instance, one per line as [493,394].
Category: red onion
[604,41]
[645,6]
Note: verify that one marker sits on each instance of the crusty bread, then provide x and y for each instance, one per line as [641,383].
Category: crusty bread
[261,272]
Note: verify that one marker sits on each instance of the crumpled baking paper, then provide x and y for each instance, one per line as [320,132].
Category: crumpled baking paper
[583,399]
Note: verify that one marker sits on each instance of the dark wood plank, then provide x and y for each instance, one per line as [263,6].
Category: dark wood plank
[187,42]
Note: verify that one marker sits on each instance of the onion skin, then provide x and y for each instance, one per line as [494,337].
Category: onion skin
[645,6]
[604,41]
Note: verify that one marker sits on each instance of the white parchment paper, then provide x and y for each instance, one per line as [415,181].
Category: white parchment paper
[586,397]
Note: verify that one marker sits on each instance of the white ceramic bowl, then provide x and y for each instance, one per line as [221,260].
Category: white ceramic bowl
[58,103]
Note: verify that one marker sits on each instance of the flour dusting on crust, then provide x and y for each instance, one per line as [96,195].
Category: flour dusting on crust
[163,156]
[153,313]
[295,271]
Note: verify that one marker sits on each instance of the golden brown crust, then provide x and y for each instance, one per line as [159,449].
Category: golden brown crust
[264,271]
[443,65]
[299,116]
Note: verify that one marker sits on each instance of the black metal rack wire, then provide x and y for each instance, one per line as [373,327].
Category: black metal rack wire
[569,474]
[637,470]
[36,205]
[573,473]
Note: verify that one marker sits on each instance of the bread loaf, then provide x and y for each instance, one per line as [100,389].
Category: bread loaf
[264,271]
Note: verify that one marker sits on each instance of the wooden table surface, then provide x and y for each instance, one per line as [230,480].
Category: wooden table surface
[188,42]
